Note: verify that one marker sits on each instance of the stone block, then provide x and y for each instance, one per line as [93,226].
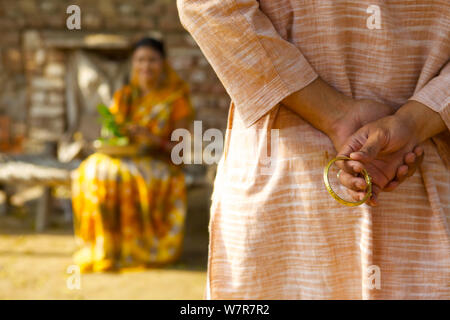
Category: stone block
[39,97]
[198,76]
[91,21]
[28,7]
[13,60]
[39,57]
[8,24]
[170,23]
[128,22]
[43,83]
[32,40]
[153,9]
[56,21]
[48,6]
[10,38]
[55,98]
[45,134]
[107,8]
[46,111]
[56,56]
[127,9]
[179,62]
[55,69]
[147,23]
[199,101]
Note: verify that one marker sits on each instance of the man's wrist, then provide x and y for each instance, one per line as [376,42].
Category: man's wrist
[423,121]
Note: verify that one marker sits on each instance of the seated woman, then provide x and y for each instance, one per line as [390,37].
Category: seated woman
[130,211]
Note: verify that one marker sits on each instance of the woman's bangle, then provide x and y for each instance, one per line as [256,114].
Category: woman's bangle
[334,194]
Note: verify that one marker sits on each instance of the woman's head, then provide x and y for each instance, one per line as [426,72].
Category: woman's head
[148,60]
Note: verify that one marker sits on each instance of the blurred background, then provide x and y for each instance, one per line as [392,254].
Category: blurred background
[51,80]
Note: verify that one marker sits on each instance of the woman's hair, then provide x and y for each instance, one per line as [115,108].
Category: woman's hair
[151,43]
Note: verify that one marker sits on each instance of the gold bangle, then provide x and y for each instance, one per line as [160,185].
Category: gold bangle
[335,196]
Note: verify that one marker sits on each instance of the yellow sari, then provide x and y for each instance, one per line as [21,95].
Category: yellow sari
[130,211]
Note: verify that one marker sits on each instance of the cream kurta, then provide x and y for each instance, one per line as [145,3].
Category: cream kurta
[277,234]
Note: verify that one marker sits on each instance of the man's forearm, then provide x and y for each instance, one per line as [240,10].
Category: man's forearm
[319,104]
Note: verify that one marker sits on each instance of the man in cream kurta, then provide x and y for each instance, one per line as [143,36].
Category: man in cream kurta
[277,234]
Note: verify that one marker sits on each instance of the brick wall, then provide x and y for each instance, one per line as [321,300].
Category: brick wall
[32,61]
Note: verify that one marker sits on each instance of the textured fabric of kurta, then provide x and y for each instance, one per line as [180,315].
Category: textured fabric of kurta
[275,232]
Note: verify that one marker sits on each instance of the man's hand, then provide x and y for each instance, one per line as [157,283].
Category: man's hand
[339,116]
[358,113]
[381,147]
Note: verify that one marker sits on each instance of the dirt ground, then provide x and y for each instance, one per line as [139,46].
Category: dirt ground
[35,266]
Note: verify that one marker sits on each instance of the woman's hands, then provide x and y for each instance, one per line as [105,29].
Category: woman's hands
[142,133]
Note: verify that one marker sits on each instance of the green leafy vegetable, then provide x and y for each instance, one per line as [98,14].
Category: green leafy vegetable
[111,132]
